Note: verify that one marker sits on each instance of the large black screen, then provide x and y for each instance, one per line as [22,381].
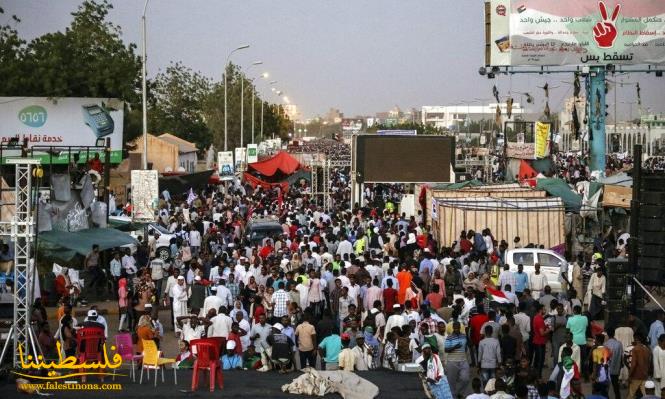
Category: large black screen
[404,159]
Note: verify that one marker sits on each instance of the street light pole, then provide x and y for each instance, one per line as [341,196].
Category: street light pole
[272,82]
[144,88]
[242,109]
[226,126]
[242,102]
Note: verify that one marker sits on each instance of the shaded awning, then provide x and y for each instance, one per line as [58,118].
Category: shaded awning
[81,242]
[559,188]
[255,181]
[180,184]
[281,162]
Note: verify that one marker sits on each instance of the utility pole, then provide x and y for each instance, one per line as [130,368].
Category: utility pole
[144,88]
[596,116]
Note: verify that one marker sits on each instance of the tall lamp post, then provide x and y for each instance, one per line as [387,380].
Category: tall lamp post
[242,102]
[226,125]
[264,75]
[144,89]
[272,82]
[242,106]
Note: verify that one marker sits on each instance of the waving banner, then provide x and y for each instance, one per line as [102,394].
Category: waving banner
[575,32]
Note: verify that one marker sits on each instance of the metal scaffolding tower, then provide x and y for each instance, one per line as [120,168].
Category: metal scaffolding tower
[324,192]
[21,231]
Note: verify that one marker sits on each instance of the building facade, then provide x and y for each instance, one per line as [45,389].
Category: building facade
[452,116]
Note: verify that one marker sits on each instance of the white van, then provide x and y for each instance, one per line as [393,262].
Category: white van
[550,264]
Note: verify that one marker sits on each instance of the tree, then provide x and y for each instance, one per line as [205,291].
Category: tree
[12,52]
[177,104]
[88,59]
[275,119]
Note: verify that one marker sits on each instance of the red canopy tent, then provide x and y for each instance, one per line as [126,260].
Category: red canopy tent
[281,162]
[273,171]
[527,173]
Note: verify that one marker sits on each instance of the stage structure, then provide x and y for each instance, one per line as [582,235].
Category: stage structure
[21,231]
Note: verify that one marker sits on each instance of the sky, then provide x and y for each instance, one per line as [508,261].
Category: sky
[359,56]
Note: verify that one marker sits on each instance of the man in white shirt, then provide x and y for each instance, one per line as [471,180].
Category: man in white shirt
[220,325]
[195,242]
[395,320]
[259,333]
[537,282]
[344,248]
[523,322]
[224,294]
[243,325]
[211,302]
[179,304]
[129,264]
[157,269]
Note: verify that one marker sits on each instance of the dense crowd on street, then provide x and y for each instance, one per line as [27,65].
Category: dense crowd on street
[368,288]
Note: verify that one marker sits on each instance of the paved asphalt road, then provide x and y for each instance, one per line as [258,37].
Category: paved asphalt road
[237,384]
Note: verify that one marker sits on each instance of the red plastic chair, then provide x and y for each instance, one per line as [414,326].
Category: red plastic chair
[90,340]
[125,348]
[207,359]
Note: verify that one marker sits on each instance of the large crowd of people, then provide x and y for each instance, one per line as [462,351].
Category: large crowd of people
[369,288]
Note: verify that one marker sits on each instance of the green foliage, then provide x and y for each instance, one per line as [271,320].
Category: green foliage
[275,120]
[176,104]
[89,59]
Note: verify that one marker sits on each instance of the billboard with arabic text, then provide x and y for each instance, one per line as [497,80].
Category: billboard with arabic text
[575,32]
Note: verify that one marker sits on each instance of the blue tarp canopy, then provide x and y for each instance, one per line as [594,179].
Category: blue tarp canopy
[65,244]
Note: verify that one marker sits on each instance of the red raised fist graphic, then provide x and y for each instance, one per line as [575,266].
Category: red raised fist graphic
[605,32]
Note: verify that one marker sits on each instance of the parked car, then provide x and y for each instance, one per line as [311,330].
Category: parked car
[550,264]
[163,243]
[258,229]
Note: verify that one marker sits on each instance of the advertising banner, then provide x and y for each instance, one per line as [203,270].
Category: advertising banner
[252,153]
[241,159]
[62,122]
[351,126]
[520,140]
[145,195]
[225,165]
[542,139]
[576,32]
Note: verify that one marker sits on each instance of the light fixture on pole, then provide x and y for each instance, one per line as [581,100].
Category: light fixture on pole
[242,105]
[226,126]
[144,88]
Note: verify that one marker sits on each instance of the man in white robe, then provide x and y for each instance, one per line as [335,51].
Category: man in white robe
[179,295]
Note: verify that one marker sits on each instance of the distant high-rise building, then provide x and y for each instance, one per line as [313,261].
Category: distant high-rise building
[333,116]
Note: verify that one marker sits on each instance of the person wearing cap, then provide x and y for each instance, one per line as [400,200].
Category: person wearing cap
[231,360]
[649,391]
[92,320]
[197,293]
[434,374]
[179,301]
[281,355]
[346,358]
[395,320]
[96,320]
[363,353]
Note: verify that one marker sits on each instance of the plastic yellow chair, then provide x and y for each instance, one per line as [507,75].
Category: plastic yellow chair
[153,360]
